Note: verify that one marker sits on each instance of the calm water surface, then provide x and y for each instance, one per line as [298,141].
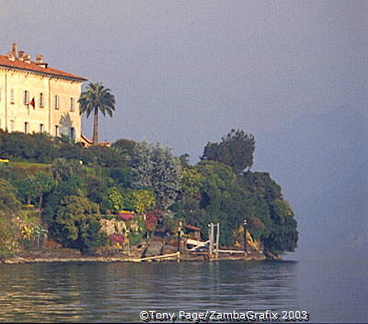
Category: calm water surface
[117,292]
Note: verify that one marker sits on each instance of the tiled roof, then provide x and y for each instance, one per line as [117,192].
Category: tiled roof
[33,67]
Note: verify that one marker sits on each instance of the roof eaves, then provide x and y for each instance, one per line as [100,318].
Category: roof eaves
[44,73]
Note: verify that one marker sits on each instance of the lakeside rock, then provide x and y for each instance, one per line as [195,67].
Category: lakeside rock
[72,255]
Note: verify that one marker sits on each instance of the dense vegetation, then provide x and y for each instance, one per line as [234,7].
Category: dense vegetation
[72,187]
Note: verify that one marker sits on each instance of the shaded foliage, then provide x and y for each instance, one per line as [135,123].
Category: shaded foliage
[32,187]
[62,169]
[120,176]
[280,228]
[76,224]
[96,188]
[8,234]
[8,197]
[42,148]
[9,207]
[211,192]
[74,185]
[105,157]
[124,146]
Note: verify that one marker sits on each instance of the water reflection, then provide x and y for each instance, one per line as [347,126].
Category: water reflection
[117,292]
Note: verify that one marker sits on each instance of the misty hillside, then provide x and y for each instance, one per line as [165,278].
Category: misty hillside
[321,162]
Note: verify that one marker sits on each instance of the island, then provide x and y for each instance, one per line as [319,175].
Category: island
[135,201]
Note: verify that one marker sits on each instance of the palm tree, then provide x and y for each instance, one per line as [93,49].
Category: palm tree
[96,98]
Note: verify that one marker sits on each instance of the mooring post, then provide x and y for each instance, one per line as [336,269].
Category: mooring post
[210,234]
[213,237]
[209,239]
[217,240]
[127,237]
[245,236]
[179,236]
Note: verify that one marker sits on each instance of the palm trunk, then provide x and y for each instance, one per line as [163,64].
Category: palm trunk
[95,127]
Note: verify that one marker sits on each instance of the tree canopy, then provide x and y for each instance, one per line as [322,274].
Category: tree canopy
[155,167]
[8,199]
[77,224]
[212,192]
[235,149]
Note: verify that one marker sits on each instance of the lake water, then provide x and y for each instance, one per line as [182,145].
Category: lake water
[329,290]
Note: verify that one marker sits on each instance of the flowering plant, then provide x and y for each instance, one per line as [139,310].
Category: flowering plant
[117,238]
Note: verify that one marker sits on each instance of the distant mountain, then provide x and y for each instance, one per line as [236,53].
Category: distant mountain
[321,162]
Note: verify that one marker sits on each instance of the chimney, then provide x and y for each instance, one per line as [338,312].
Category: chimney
[27,58]
[40,61]
[14,49]
[21,55]
[39,58]
[11,56]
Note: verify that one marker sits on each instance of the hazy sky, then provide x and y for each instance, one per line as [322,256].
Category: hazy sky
[186,72]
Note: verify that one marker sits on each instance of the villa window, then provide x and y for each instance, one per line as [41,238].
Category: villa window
[26,127]
[26,97]
[72,104]
[41,100]
[57,133]
[56,102]
[12,96]
[42,128]
[72,133]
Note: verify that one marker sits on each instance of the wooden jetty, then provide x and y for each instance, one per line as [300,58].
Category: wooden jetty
[192,249]
[171,256]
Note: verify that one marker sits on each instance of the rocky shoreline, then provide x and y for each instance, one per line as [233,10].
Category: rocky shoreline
[21,260]
[70,255]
